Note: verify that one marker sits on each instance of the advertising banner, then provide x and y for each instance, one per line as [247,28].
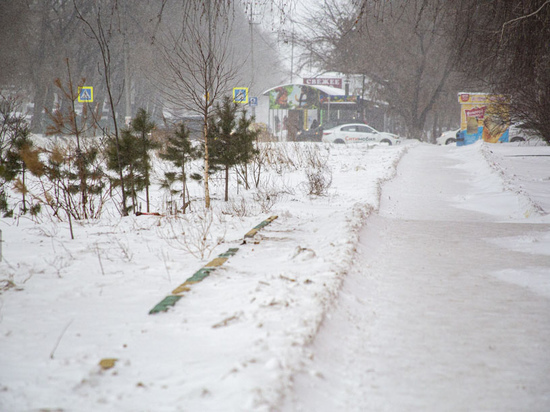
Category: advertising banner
[483,116]
[294,97]
[338,99]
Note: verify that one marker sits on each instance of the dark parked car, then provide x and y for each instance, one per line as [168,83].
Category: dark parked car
[310,135]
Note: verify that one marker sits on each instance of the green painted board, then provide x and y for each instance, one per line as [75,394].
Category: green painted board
[200,274]
[165,304]
[230,252]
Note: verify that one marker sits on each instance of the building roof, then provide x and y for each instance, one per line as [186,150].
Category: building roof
[328,90]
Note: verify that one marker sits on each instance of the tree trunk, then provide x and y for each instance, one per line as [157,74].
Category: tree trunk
[246,185]
[226,183]
[39,104]
[184,181]
[206,163]
[147,196]
[24,169]
[435,127]
[257,177]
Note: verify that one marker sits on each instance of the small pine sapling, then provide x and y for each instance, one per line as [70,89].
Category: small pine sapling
[142,126]
[126,156]
[14,135]
[179,151]
[231,139]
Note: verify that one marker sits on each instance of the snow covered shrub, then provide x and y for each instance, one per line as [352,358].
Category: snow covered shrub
[266,199]
[240,208]
[312,156]
[60,179]
[263,133]
[318,181]
[198,233]
[260,162]
[270,193]
[318,173]
[278,157]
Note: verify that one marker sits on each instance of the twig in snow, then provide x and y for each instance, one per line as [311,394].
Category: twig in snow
[165,258]
[60,337]
[99,258]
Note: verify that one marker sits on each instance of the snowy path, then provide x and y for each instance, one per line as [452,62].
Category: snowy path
[436,314]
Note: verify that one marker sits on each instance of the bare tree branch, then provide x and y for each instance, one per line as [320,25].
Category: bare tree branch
[509,22]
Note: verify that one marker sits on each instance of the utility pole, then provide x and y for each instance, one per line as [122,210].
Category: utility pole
[251,24]
[253,67]
[292,56]
[127,81]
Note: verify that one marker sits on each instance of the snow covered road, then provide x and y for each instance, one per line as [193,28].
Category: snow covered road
[442,311]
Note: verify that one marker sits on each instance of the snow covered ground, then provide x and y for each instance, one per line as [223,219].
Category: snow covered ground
[246,338]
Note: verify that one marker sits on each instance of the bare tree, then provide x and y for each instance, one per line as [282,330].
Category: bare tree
[507,52]
[199,68]
[14,21]
[37,38]
[38,35]
[69,122]
[399,46]
[101,31]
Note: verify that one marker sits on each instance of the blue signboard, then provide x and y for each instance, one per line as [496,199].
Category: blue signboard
[240,95]
[85,94]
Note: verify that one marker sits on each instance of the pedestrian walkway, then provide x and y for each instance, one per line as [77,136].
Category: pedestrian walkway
[425,320]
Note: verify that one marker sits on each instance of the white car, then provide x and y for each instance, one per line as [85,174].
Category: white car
[448,137]
[518,133]
[358,133]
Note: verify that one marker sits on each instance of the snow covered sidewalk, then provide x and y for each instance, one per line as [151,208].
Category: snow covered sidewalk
[447,307]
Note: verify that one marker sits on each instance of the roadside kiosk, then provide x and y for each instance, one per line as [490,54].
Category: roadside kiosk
[483,116]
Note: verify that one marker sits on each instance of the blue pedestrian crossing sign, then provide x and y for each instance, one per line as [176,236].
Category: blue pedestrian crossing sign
[240,95]
[253,101]
[85,94]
